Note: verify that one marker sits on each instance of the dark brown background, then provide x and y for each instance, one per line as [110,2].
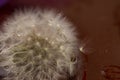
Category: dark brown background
[98,24]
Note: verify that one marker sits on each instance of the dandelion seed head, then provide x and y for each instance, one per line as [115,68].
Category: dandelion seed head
[42,52]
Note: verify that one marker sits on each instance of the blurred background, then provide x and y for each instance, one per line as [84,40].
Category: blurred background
[98,26]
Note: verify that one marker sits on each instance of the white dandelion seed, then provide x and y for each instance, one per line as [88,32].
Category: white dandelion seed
[39,51]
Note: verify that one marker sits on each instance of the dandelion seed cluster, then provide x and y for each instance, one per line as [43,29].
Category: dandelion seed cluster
[39,45]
